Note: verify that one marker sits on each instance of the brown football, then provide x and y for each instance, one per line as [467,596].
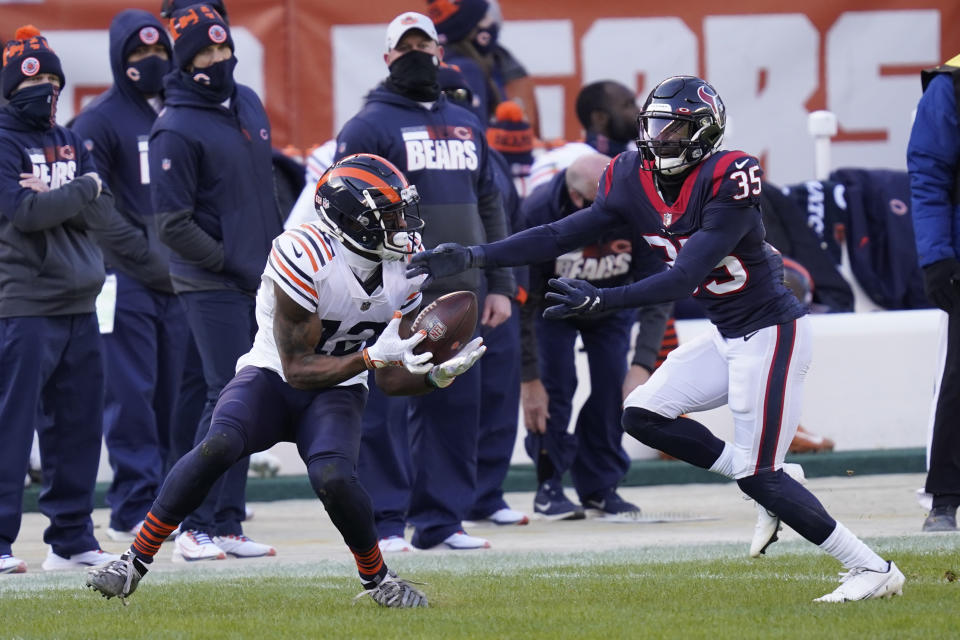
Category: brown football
[450,322]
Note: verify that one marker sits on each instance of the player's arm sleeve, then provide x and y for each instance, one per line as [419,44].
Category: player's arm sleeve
[933,155]
[722,229]
[173,184]
[652,319]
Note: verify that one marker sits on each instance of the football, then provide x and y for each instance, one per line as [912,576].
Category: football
[450,322]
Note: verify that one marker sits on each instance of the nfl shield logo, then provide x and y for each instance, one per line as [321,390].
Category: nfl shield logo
[365,305]
[436,330]
[166,164]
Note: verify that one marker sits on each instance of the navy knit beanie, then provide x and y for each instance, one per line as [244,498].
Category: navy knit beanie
[455,19]
[169,7]
[194,29]
[24,57]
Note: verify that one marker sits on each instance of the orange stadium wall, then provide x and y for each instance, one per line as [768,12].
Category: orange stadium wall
[313,60]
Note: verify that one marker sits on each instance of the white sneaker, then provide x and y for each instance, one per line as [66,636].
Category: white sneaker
[10,564]
[461,540]
[243,547]
[863,584]
[192,545]
[78,560]
[393,544]
[508,516]
[768,523]
[119,535]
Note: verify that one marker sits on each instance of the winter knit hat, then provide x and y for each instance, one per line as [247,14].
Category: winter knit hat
[149,34]
[194,29]
[169,7]
[24,57]
[511,134]
[455,19]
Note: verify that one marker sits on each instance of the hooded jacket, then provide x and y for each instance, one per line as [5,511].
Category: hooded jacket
[50,263]
[211,185]
[443,151]
[116,128]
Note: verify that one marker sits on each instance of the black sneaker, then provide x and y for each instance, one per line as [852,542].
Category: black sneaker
[942,518]
[609,504]
[551,504]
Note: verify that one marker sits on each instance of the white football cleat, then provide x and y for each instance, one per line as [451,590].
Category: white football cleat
[863,584]
[192,545]
[78,560]
[394,544]
[768,523]
[461,541]
[243,547]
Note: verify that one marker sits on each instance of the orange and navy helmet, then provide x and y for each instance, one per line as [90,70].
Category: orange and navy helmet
[364,201]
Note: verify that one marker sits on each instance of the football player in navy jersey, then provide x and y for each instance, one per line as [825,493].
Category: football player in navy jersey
[331,306]
[696,207]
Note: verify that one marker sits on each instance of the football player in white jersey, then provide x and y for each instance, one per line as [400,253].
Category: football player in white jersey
[328,289]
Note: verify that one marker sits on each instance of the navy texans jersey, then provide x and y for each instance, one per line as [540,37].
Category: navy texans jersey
[711,239]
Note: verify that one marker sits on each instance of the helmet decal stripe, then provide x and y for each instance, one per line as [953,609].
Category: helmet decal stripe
[389,164]
[370,178]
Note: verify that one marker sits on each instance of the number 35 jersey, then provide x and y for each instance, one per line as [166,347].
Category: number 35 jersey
[311,268]
[718,206]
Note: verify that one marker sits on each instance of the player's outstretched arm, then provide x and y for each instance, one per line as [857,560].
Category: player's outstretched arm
[447,259]
[298,331]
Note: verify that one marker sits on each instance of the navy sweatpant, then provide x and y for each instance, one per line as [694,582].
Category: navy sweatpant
[223,324]
[594,453]
[51,366]
[499,414]
[143,359]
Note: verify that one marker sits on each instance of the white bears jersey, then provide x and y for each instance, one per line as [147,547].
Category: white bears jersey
[310,266]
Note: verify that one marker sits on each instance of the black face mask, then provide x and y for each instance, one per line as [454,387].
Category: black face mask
[36,105]
[147,74]
[485,40]
[214,82]
[414,75]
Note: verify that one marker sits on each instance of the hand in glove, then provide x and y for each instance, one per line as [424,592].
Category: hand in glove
[390,350]
[442,375]
[941,283]
[447,259]
[574,298]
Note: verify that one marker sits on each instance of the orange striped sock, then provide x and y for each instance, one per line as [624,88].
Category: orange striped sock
[370,565]
[151,535]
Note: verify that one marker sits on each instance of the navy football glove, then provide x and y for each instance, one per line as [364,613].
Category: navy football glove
[941,283]
[447,259]
[575,298]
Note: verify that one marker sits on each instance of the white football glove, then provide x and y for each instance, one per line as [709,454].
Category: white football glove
[443,374]
[393,351]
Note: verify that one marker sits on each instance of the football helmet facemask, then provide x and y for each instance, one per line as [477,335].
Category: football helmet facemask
[680,124]
[364,201]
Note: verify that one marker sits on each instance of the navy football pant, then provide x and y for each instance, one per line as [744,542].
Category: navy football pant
[594,453]
[384,466]
[51,365]
[223,324]
[256,410]
[499,413]
[143,359]
[191,398]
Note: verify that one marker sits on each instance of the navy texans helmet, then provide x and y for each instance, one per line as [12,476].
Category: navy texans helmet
[680,124]
[364,201]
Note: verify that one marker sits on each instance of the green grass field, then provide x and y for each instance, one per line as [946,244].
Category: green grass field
[708,591]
